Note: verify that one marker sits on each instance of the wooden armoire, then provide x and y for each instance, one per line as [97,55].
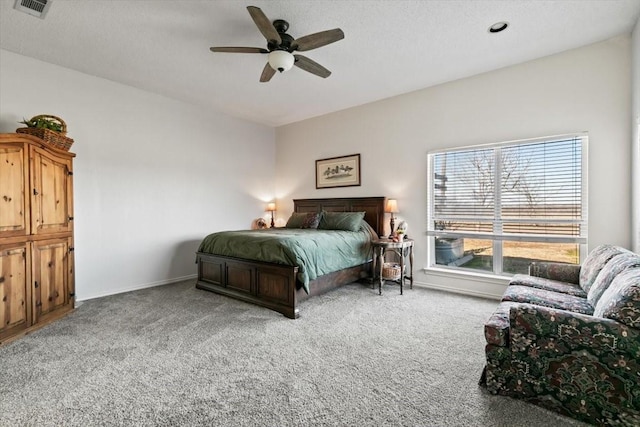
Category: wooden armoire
[36,234]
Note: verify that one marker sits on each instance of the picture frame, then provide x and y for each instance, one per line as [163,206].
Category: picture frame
[343,171]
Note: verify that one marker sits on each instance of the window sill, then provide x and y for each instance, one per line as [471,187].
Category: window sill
[479,277]
[489,286]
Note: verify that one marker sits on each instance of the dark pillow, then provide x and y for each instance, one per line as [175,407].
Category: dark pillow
[347,221]
[304,220]
[311,220]
[296,219]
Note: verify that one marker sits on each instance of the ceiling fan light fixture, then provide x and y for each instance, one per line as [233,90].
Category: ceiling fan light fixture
[281,60]
[280,46]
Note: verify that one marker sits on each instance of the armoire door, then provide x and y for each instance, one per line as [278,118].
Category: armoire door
[15,295]
[51,275]
[51,193]
[14,212]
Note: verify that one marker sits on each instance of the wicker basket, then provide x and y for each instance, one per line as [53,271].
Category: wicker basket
[55,139]
[391,271]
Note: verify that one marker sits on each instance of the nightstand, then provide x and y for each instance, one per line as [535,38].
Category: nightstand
[403,250]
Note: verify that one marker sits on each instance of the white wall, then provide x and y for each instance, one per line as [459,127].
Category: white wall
[586,89]
[635,144]
[152,175]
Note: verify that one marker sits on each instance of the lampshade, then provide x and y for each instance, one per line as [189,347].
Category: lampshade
[392,206]
[271,206]
[281,60]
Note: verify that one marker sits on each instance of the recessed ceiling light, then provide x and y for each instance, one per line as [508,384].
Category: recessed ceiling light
[498,26]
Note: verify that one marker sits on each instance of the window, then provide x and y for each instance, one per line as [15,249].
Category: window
[496,208]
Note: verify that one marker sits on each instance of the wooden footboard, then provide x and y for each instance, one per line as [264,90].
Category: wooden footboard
[268,285]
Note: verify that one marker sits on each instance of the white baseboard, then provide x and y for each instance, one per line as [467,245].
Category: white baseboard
[458,290]
[194,276]
[138,287]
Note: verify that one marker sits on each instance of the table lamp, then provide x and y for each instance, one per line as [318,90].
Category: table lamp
[392,208]
[271,207]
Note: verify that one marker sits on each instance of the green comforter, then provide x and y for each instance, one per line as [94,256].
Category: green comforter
[315,252]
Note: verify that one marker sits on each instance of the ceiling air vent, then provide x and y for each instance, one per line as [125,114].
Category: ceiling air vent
[37,8]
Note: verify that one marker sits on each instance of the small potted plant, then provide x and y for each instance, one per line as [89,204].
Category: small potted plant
[50,129]
[45,122]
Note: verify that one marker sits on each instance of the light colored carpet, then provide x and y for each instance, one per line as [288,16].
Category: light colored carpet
[176,355]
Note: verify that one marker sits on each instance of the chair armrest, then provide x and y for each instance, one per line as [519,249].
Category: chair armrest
[569,273]
[595,335]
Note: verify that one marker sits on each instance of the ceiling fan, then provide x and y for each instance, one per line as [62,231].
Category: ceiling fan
[280,46]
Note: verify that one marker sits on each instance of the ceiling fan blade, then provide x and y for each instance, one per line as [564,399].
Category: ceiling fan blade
[239,49]
[267,73]
[316,40]
[264,25]
[311,66]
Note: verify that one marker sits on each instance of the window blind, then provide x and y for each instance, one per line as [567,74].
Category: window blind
[529,190]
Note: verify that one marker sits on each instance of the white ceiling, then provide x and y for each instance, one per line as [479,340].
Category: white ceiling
[390,47]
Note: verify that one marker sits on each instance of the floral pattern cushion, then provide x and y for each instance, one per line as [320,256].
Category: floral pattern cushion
[579,365]
[561,272]
[545,298]
[595,261]
[496,330]
[548,284]
[617,265]
[621,301]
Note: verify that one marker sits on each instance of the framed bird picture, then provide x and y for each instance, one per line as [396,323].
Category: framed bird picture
[338,171]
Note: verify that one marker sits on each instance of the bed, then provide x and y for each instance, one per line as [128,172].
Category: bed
[278,286]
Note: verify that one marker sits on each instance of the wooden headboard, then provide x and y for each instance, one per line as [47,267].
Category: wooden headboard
[373,208]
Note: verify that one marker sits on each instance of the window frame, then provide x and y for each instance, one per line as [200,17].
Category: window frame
[497,236]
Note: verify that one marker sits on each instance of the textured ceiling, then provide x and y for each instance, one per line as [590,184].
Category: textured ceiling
[390,47]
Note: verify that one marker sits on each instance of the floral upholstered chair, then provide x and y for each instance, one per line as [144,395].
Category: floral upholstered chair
[567,337]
